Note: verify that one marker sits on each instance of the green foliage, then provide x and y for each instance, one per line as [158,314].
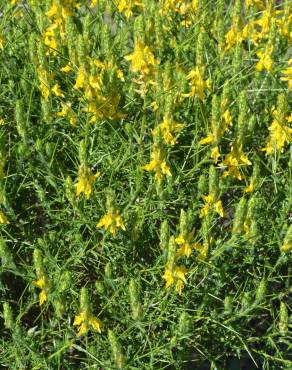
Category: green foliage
[159,157]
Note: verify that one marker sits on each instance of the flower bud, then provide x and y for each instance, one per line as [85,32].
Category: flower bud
[118,356]
[239,217]
[283,319]
[134,300]
[164,234]
[8,317]
[261,291]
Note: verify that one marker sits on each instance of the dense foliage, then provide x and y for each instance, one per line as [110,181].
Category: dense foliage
[145,184]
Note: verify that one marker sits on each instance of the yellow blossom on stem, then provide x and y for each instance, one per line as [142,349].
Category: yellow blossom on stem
[42,284]
[142,59]
[126,6]
[112,220]
[85,181]
[175,275]
[265,61]
[3,218]
[167,129]
[210,204]
[1,42]
[186,245]
[234,160]
[66,69]
[57,90]
[84,320]
[280,134]
[158,163]
[197,84]
[288,74]
[68,112]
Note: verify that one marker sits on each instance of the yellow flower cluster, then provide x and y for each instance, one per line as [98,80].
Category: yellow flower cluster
[85,181]
[158,163]
[84,320]
[280,133]
[112,220]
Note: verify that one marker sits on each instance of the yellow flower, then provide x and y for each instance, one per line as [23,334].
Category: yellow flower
[233,36]
[207,140]
[125,6]
[3,218]
[57,90]
[215,154]
[68,112]
[85,181]
[233,160]
[288,74]
[1,42]
[93,3]
[250,187]
[111,220]
[184,241]
[142,59]
[197,84]
[42,283]
[280,134]
[168,128]
[265,62]
[81,79]
[83,320]
[175,275]
[202,249]
[66,69]
[211,203]
[158,164]
[258,3]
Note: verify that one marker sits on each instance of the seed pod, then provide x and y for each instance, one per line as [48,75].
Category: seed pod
[82,152]
[59,307]
[38,262]
[200,50]
[213,182]
[65,281]
[20,120]
[171,252]
[108,271]
[7,315]
[71,35]
[46,110]
[82,51]
[237,59]
[84,300]
[242,118]
[184,323]
[239,217]
[164,234]
[118,356]
[287,243]
[159,34]
[183,223]
[261,291]
[134,299]
[282,107]
[228,304]
[6,256]
[237,11]
[216,129]
[110,200]
[283,319]
[70,194]
[139,28]
[202,185]
[99,286]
